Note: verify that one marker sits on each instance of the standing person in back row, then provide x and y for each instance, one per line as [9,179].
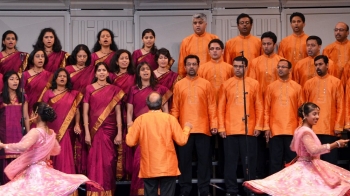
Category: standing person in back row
[196,44]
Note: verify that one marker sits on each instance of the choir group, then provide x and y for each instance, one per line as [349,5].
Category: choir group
[97,95]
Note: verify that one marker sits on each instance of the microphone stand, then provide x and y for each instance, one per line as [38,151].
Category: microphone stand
[245,119]
[22,96]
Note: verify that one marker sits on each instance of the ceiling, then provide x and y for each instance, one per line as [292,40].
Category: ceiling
[162,4]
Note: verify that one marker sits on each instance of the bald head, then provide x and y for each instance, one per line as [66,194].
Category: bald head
[341,31]
[154,101]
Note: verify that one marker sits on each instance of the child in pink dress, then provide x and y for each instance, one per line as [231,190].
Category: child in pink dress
[31,173]
[308,175]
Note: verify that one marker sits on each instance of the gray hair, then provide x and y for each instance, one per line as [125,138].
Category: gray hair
[154,105]
[200,16]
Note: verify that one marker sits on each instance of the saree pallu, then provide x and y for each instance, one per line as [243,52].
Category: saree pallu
[81,78]
[65,105]
[138,57]
[1,83]
[35,86]
[10,132]
[137,98]
[56,60]
[106,59]
[103,130]
[13,62]
[168,80]
[125,153]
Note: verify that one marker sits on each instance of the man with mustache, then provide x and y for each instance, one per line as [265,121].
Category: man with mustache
[293,47]
[232,128]
[305,68]
[282,98]
[194,102]
[196,44]
[339,51]
[246,42]
[327,92]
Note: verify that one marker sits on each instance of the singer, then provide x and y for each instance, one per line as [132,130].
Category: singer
[10,118]
[231,126]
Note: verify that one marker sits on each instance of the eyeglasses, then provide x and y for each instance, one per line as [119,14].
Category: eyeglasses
[193,64]
[341,30]
[217,48]
[282,67]
[238,66]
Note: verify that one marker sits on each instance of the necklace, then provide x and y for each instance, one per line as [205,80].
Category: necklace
[161,72]
[48,51]
[8,53]
[13,98]
[101,84]
[82,67]
[37,72]
[61,90]
[105,52]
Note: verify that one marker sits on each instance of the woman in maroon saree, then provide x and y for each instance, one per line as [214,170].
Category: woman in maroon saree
[104,47]
[1,83]
[37,79]
[103,127]
[146,83]
[10,118]
[65,102]
[10,57]
[124,77]
[49,42]
[148,50]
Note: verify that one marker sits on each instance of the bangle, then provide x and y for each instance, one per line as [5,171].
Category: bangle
[328,147]
[338,143]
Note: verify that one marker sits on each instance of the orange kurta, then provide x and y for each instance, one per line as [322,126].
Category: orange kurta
[347,105]
[346,75]
[216,72]
[197,45]
[194,102]
[231,106]
[340,54]
[264,70]
[327,92]
[250,44]
[154,132]
[293,48]
[282,100]
[305,69]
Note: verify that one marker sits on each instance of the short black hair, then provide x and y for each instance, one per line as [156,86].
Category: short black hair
[271,35]
[289,63]
[69,84]
[32,54]
[191,56]
[297,14]
[243,15]
[218,41]
[4,37]
[72,59]
[306,108]
[314,37]
[241,58]
[324,57]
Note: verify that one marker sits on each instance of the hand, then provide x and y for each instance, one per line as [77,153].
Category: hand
[88,139]
[256,133]
[337,132]
[118,139]
[268,135]
[222,134]
[343,143]
[77,129]
[130,124]
[214,131]
[188,125]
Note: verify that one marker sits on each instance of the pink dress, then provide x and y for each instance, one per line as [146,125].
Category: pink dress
[30,174]
[308,175]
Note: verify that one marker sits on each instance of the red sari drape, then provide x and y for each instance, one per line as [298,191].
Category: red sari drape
[103,130]
[138,57]
[137,98]
[107,58]
[65,104]
[13,62]
[56,60]
[168,80]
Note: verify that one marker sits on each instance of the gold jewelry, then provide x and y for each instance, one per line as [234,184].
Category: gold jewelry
[105,52]
[37,72]
[161,72]
[101,84]
[61,90]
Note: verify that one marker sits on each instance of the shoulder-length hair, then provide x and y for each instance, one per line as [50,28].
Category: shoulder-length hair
[97,45]
[96,68]
[32,54]
[114,62]
[72,59]
[138,81]
[69,84]
[5,91]
[4,37]
[57,47]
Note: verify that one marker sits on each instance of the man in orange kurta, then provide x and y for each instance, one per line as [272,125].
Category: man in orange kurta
[339,51]
[293,47]
[282,99]
[194,102]
[154,132]
[327,92]
[216,71]
[196,44]
[249,44]
[232,128]
[263,68]
[305,68]
[347,106]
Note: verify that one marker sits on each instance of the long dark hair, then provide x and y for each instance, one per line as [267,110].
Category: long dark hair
[46,112]
[72,59]
[97,45]
[154,47]
[96,68]
[32,54]
[5,92]
[138,80]
[69,84]
[306,108]
[57,47]
[114,62]
[4,37]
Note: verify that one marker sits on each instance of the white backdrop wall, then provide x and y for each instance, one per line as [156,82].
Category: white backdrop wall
[171,26]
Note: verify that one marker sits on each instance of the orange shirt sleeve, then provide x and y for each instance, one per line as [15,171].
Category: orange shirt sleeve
[176,102]
[259,107]
[253,68]
[295,75]
[181,66]
[280,49]
[267,108]
[227,53]
[212,106]
[221,108]
[340,110]
[179,135]
[132,138]
[347,105]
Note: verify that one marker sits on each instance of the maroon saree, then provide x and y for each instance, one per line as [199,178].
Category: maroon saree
[138,57]
[103,130]
[13,62]
[56,60]
[107,58]
[65,105]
